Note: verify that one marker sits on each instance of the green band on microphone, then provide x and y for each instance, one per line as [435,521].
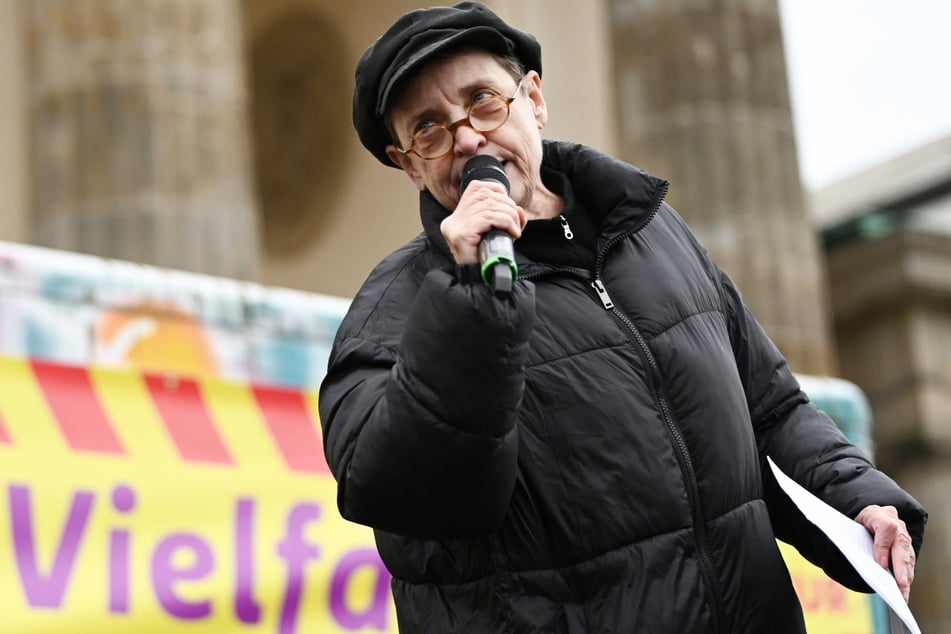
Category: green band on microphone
[491,262]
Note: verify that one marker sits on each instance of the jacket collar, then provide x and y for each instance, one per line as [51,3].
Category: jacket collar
[621,194]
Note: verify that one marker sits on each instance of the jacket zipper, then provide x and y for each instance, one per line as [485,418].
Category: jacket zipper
[680,446]
[566,227]
[683,454]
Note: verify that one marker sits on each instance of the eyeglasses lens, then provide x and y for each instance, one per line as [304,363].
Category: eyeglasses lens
[485,116]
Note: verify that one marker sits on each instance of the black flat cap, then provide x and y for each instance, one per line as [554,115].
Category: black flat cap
[412,40]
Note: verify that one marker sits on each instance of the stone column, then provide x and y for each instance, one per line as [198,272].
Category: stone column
[138,132]
[703,102]
[13,168]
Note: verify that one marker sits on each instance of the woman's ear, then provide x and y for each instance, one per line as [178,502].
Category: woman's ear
[535,95]
[405,163]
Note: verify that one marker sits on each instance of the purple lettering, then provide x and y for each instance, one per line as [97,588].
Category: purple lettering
[165,574]
[246,607]
[295,551]
[123,499]
[46,590]
[374,615]
[186,556]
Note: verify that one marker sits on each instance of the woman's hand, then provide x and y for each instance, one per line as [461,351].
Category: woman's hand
[484,205]
[891,546]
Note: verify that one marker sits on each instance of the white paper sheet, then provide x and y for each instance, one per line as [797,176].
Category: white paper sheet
[853,540]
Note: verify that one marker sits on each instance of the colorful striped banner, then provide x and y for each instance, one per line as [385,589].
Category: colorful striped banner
[156,503]
[81,403]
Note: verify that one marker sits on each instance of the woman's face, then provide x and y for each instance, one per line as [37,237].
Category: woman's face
[442,93]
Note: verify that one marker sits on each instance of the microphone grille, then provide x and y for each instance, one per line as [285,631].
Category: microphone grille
[484,168]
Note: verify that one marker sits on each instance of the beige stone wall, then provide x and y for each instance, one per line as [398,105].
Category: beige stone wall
[577,71]
[13,168]
[137,132]
[368,210]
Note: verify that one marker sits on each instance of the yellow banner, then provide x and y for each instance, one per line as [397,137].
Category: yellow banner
[829,607]
[153,504]
[150,503]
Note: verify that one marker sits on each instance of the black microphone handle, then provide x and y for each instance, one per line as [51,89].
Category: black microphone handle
[496,248]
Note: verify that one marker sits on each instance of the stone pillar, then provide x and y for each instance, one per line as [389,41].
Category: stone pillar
[13,168]
[138,132]
[703,102]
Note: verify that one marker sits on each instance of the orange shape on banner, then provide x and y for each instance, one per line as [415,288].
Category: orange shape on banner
[156,337]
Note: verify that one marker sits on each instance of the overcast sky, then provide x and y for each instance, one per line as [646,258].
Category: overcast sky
[869,79]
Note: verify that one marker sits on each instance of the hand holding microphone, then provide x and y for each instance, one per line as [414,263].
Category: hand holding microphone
[496,248]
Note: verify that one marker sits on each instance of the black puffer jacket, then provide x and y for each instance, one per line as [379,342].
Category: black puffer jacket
[572,460]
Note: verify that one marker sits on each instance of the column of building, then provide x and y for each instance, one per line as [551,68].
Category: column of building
[703,102]
[138,133]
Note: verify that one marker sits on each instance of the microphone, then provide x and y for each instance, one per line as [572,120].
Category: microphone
[496,249]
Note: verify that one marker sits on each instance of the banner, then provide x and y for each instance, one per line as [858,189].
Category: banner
[79,309]
[152,503]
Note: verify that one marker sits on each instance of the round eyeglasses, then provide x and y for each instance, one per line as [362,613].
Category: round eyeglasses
[487,113]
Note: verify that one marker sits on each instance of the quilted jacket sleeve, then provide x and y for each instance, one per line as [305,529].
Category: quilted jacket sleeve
[420,400]
[807,446]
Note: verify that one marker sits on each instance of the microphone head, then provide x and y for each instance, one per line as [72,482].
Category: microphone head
[484,168]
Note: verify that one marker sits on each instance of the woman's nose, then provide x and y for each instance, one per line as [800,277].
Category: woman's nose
[468,139]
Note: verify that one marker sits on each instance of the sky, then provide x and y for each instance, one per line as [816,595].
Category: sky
[869,80]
